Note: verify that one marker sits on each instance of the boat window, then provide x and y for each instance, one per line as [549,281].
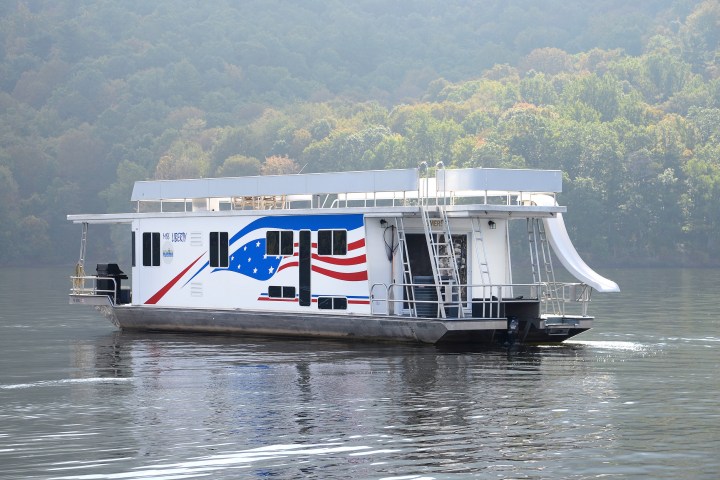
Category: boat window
[332,242]
[339,242]
[151,249]
[272,242]
[286,242]
[219,249]
[275,291]
[332,303]
[279,242]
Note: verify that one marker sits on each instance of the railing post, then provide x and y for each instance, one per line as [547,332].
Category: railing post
[422,180]
[439,166]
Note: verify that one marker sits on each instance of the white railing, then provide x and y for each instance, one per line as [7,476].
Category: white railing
[87,285]
[566,294]
[424,185]
[485,301]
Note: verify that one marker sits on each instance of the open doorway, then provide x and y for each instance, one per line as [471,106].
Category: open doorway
[421,267]
[418,255]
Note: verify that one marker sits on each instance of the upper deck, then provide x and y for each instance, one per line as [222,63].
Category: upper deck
[491,191]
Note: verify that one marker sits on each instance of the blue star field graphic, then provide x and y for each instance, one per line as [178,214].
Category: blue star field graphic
[250,260]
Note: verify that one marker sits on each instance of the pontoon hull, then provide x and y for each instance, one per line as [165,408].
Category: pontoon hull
[375,328]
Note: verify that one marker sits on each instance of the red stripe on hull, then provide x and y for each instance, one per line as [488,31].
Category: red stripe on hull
[161,293]
[269,299]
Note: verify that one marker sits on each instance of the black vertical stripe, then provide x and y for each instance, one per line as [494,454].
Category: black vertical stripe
[224,262]
[213,249]
[304,267]
[147,249]
[133,248]
[156,249]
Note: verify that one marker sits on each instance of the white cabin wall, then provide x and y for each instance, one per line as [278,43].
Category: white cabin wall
[184,249]
[495,243]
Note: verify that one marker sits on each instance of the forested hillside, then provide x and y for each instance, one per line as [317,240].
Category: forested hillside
[624,98]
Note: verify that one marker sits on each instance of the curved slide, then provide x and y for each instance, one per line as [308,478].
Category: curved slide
[565,251]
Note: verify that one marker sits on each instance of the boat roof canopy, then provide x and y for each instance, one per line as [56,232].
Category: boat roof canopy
[468,180]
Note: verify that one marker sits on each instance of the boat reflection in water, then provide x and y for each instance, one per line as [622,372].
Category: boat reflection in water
[209,404]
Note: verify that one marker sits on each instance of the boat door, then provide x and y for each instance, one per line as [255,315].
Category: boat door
[422,269]
[304,257]
[418,255]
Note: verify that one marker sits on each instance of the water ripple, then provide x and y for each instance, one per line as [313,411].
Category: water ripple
[64,381]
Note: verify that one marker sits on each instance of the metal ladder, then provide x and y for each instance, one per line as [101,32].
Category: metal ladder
[442,259]
[536,230]
[407,272]
[83,245]
[481,255]
[481,252]
[78,282]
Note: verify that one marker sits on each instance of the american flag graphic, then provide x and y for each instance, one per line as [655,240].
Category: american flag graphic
[251,260]
[350,268]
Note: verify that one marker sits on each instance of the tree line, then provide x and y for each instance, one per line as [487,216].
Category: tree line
[94,98]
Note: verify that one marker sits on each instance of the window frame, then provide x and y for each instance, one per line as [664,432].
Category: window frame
[280,243]
[332,303]
[281,291]
[332,243]
[219,250]
[151,249]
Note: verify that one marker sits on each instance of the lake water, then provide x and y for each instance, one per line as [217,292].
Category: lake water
[636,397]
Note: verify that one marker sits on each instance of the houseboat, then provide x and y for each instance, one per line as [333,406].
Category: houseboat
[419,255]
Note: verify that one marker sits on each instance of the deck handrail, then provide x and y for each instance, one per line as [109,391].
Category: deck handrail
[489,296]
[328,201]
[406,187]
[87,285]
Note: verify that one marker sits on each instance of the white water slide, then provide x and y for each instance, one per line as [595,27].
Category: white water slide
[565,251]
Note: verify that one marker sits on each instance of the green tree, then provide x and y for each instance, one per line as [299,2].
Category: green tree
[700,201]
[701,37]
[117,195]
[183,160]
[525,130]
[8,214]
[549,61]
[33,243]
[603,94]
[538,90]
[239,166]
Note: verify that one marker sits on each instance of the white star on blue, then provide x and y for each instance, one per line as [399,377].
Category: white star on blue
[257,264]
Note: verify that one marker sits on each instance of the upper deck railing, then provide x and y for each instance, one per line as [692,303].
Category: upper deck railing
[375,188]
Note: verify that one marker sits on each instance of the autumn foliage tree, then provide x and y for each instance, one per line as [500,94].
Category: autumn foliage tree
[279,165]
